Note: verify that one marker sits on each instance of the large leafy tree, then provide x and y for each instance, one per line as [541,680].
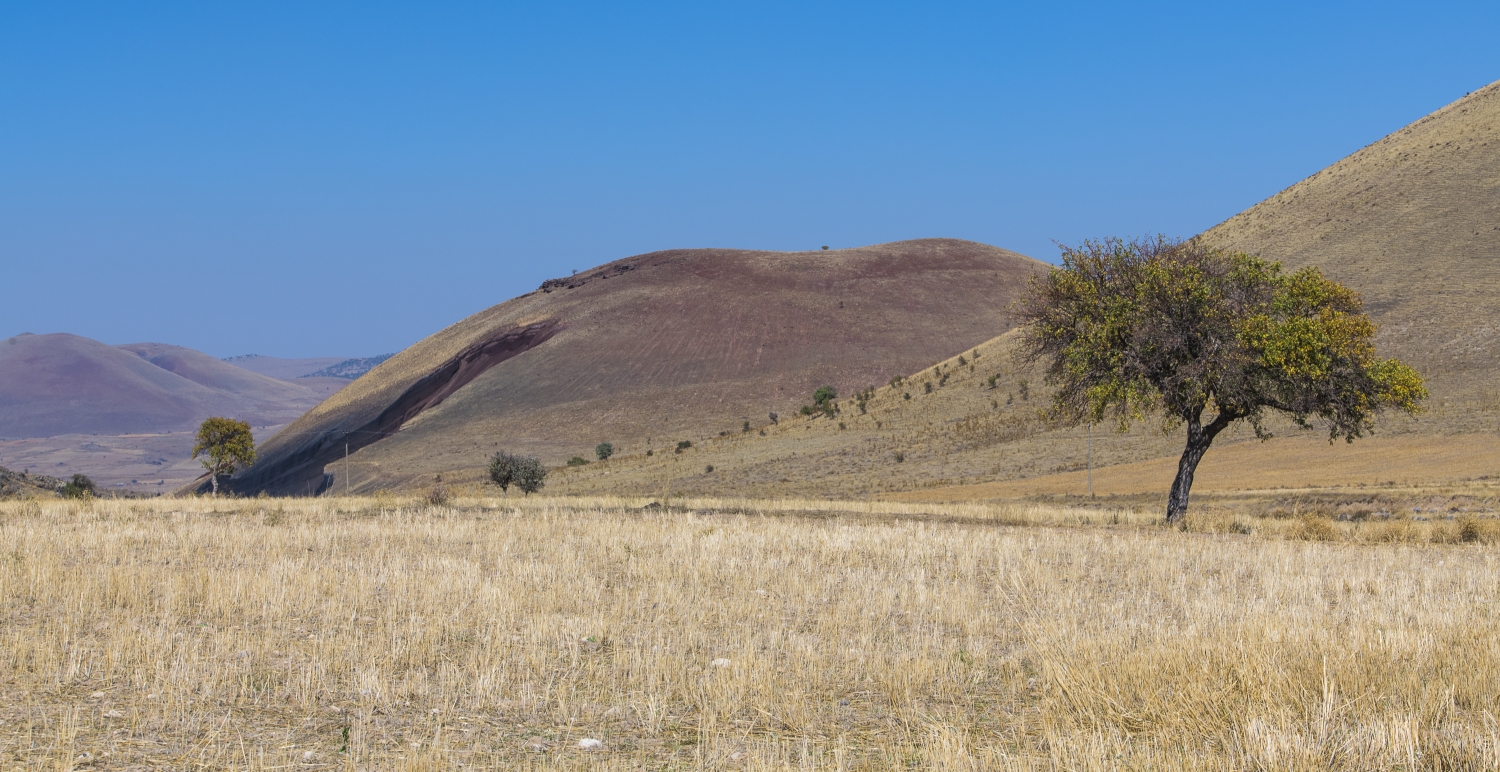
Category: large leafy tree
[1206,337]
[225,443]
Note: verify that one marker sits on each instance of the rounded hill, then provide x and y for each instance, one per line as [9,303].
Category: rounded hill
[648,346]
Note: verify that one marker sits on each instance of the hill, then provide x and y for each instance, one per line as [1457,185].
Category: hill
[66,384]
[1412,222]
[648,347]
[286,369]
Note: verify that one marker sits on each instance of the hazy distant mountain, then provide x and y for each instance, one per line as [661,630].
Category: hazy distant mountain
[349,368]
[285,369]
[66,384]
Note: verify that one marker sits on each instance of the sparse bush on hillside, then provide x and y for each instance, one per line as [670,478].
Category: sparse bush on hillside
[746,429]
[438,495]
[80,487]
[962,361]
[991,380]
[650,452]
[906,395]
[773,418]
[1025,388]
[900,457]
[683,445]
[896,381]
[926,387]
[708,469]
[604,450]
[578,461]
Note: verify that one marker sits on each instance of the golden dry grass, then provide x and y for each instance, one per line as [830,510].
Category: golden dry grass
[378,633]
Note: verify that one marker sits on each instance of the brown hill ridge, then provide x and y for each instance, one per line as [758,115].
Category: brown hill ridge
[651,346]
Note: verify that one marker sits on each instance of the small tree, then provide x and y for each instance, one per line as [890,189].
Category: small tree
[227,443]
[503,470]
[824,395]
[1206,337]
[80,487]
[529,474]
[604,450]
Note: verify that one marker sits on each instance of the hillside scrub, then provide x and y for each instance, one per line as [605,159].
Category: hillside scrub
[382,633]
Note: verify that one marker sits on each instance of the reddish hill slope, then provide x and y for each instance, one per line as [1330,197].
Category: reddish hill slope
[651,345]
[66,384]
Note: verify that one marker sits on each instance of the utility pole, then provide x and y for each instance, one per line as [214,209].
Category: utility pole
[346,469]
[1091,459]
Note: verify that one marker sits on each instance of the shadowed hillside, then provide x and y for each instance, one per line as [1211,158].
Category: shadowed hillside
[648,347]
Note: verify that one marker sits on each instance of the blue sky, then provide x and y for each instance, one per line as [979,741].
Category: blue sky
[309,179]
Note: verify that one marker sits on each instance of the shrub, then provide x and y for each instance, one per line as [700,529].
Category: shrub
[649,451]
[1025,388]
[1315,528]
[991,380]
[578,461]
[773,418]
[604,450]
[900,457]
[1474,530]
[962,361]
[80,487]
[708,469]
[746,428]
[927,387]
[683,445]
[824,395]
[841,425]
[438,496]
[896,381]
[906,395]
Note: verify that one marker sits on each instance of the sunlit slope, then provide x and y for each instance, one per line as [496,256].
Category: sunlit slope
[1413,223]
[647,347]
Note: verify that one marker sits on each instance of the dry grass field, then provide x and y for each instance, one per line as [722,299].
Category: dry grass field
[385,633]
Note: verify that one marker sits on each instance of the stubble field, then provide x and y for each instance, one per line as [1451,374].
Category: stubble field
[382,633]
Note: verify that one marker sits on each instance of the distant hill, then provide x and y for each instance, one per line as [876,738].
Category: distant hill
[285,369]
[648,347]
[66,384]
[348,369]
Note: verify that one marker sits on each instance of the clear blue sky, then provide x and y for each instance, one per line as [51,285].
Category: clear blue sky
[344,179]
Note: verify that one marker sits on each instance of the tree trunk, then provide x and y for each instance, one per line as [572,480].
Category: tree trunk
[213,478]
[1198,439]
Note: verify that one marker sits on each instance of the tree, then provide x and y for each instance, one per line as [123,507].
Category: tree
[1206,337]
[80,487]
[604,450]
[503,470]
[824,395]
[227,443]
[524,472]
[529,474]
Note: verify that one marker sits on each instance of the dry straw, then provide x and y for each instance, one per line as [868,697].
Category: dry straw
[487,633]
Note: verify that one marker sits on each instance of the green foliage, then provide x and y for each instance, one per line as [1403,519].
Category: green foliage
[1179,328]
[604,450]
[80,487]
[746,428]
[524,472]
[991,380]
[896,381]
[530,475]
[926,387]
[578,461]
[226,443]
